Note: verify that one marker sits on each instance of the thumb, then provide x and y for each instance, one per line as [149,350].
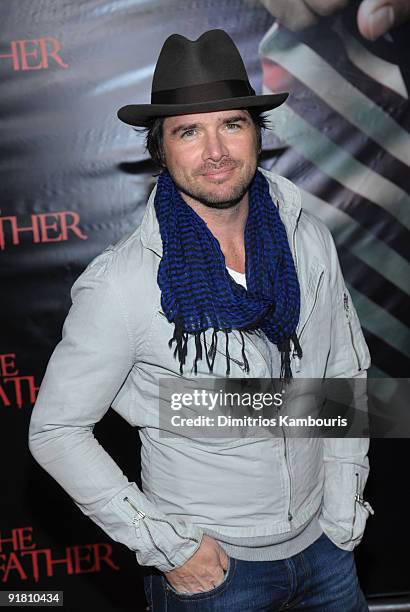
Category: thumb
[223,559]
[376,17]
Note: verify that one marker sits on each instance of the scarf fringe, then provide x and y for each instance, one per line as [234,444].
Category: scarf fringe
[181,349]
[181,339]
[211,352]
[228,360]
[201,348]
[285,350]
[245,360]
[297,347]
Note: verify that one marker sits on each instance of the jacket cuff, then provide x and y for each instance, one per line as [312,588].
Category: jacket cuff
[344,511]
[157,539]
[170,551]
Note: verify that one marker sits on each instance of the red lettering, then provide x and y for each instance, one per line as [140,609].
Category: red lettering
[51,52]
[41,49]
[17,382]
[44,227]
[13,539]
[34,554]
[65,226]
[12,564]
[96,553]
[25,54]
[50,562]
[81,559]
[78,558]
[23,536]
[4,399]
[68,221]
[4,364]
[15,230]
[100,555]
[14,55]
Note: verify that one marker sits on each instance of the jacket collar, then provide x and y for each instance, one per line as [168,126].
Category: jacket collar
[150,234]
[283,192]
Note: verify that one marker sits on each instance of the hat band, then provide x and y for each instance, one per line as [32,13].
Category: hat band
[205,92]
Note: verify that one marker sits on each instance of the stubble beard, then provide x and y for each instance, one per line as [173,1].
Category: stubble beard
[212,200]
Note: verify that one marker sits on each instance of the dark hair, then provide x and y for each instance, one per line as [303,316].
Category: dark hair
[154,134]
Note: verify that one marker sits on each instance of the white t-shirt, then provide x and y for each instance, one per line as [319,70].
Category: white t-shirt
[238,277]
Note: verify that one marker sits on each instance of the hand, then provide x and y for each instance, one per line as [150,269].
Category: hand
[203,571]
[374,17]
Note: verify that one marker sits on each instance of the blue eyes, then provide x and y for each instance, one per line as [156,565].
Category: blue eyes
[187,133]
[236,126]
[231,127]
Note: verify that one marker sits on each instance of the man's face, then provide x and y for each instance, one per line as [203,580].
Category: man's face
[212,157]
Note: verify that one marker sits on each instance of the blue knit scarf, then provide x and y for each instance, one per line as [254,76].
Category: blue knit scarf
[198,293]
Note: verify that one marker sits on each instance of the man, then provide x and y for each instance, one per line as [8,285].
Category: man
[225,277]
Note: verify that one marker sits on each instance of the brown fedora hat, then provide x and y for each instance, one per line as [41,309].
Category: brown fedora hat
[196,76]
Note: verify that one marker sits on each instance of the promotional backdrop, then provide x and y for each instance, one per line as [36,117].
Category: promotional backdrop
[75,179]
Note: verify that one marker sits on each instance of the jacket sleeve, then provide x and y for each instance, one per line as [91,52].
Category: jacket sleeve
[346,465]
[84,374]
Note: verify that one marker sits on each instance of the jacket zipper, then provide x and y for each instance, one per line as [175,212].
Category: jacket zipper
[355,501]
[347,311]
[295,259]
[313,307]
[290,515]
[285,454]
[300,332]
[358,499]
[285,445]
[140,514]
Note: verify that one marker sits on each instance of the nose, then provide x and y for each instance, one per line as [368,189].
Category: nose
[214,146]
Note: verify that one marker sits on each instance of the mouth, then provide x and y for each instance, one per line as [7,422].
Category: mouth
[219,174]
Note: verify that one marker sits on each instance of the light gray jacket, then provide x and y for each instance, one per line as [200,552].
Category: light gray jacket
[113,351]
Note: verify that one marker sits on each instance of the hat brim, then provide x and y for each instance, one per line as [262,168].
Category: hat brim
[142,114]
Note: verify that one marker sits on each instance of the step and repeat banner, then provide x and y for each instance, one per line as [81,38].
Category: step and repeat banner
[75,179]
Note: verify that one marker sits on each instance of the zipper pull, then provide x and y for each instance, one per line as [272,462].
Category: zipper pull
[360,500]
[140,513]
[364,503]
[296,359]
[346,304]
[295,356]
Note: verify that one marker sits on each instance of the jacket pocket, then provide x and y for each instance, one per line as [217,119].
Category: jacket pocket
[314,296]
[359,350]
[309,304]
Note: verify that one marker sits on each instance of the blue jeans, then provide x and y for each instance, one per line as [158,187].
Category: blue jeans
[321,578]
